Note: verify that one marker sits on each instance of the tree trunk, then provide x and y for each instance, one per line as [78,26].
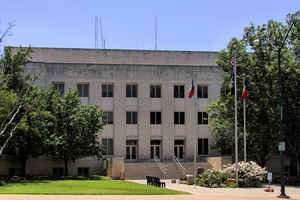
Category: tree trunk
[66,161]
[23,162]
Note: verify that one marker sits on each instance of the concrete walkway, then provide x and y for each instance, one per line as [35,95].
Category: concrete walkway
[199,193]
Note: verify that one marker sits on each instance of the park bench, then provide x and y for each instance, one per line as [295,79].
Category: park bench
[155,181]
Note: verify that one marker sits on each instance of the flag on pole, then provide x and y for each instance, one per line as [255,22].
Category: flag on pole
[192,90]
[232,61]
[245,89]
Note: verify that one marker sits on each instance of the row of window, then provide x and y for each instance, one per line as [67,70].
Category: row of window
[132,90]
[155,146]
[155,117]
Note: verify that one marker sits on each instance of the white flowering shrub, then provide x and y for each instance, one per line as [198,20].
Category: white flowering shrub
[250,173]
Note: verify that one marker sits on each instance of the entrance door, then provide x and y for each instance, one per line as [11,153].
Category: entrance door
[131,150]
[155,149]
[179,149]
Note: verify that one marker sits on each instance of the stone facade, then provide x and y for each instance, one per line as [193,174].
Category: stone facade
[143,68]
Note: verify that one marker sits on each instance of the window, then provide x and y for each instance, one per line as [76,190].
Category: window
[131,90]
[155,117]
[131,117]
[202,91]
[155,91]
[108,118]
[83,171]
[107,90]
[57,171]
[83,89]
[178,91]
[202,146]
[107,146]
[60,87]
[179,118]
[202,118]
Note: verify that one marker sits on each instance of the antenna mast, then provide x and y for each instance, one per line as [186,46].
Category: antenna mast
[101,33]
[155,32]
[96,32]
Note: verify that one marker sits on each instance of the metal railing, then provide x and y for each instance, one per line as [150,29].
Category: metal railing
[179,165]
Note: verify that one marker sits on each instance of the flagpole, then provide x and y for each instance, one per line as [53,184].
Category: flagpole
[195,143]
[235,121]
[245,143]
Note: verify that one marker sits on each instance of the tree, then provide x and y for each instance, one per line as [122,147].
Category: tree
[30,137]
[13,85]
[257,62]
[76,129]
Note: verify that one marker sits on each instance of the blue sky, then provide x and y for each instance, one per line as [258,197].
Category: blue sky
[129,24]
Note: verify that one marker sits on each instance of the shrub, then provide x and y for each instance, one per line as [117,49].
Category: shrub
[212,178]
[2,183]
[231,185]
[250,174]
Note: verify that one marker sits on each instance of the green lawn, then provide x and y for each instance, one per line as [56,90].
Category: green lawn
[100,187]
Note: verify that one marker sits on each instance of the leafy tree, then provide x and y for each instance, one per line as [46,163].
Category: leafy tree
[14,87]
[31,135]
[76,128]
[257,60]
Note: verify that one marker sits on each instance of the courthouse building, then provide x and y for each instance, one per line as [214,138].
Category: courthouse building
[144,96]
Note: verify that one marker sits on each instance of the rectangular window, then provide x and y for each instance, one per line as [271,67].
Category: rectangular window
[83,171]
[107,146]
[131,90]
[178,91]
[179,118]
[155,91]
[107,90]
[57,171]
[155,117]
[202,146]
[83,89]
[202,91]
[108,117]
[60,87]
[131,117]
[202,118]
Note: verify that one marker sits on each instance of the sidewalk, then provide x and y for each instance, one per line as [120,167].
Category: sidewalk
[198,193]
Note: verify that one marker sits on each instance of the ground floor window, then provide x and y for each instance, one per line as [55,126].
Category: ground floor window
[131,149]
[155,149]
[179,149]
[202,146]
[107,146]
[57,171]
[83,171]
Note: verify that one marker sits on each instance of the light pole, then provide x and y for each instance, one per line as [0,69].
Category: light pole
[281,145]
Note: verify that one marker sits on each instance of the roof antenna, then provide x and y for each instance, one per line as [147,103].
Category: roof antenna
[155,32]
[101,34]
[96,32]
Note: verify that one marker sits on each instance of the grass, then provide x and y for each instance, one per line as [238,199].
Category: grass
[77,187]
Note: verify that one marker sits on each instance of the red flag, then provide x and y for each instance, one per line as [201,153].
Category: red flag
[245,89]
[192,90]
[232,61]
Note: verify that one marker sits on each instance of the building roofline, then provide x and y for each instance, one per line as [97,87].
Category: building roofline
[122,56]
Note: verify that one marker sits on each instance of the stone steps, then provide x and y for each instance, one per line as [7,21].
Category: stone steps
[140,170]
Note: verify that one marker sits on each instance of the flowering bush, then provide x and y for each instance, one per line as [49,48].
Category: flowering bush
[250,173]
[212,178]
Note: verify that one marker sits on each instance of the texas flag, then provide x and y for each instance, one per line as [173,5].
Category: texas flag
[192,90]
[245,89]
